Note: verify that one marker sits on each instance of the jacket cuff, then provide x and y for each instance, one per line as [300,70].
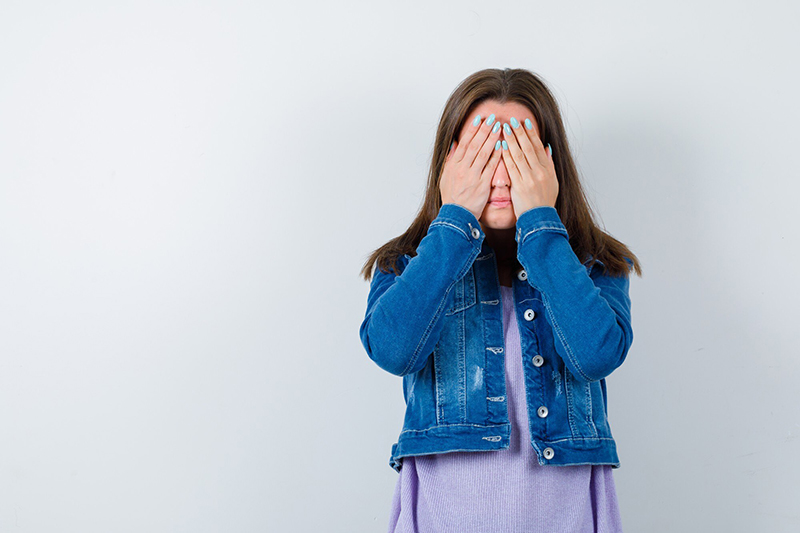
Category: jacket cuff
[461,219]
[537,220]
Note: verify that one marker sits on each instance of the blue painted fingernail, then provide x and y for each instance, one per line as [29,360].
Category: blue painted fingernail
[548,147]
[506,129]
[497,145]
[505,145]
[477,120]
[490,120]
[514,123]
[496,127]
[528,124]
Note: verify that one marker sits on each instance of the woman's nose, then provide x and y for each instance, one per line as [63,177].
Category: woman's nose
[500,179]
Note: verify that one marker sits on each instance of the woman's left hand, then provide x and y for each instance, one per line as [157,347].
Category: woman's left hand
[531,168]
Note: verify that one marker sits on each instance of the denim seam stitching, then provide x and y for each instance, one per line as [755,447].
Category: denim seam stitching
[578,438]
[462,371]
[427,332]
[449,225]
[493,427]
[545,441]
[568,394]
[439,309]
[563,340]
[557,229]
[438,380]
[589,408]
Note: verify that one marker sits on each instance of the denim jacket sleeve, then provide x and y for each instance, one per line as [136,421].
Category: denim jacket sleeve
[589,312]
[404,314]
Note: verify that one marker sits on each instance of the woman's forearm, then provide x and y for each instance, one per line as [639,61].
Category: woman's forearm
[404,314]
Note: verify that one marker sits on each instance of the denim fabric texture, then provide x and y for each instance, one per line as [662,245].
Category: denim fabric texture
[439,325]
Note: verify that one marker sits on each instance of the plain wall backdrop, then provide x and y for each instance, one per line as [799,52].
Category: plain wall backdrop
[188,191]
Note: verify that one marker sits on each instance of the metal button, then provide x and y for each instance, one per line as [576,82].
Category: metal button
[529,314]
[522,275]
[538,360]
[542,411]
[476,233]
[548,453]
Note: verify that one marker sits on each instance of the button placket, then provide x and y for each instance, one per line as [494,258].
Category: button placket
[538,361]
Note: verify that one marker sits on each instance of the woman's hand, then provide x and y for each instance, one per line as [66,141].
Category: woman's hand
[531,168]
[468,169]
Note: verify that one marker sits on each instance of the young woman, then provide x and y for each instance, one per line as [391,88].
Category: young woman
[504,307]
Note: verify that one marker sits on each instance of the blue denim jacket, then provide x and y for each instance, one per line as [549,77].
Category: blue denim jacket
[439,325]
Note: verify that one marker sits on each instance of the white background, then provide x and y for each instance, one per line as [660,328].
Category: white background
[189,189]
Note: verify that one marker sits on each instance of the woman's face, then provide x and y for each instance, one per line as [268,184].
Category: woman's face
[499,216]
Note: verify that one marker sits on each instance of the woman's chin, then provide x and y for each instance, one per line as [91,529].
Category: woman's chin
[504,219]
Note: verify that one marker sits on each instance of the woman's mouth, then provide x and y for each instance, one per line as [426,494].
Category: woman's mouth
[500,202]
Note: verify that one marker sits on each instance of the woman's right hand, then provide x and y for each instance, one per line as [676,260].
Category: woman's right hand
[469,166]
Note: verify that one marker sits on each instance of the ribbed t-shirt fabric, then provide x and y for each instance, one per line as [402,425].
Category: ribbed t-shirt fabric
[504,491]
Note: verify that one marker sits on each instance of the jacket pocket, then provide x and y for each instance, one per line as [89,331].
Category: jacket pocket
[462,295]
[581,411]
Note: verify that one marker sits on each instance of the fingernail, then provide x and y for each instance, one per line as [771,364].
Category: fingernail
[505,144]
[477,120]
[506,129]
[549,148]
[490,120]
[514,123]
[528,124]
[497,145]
[496,127]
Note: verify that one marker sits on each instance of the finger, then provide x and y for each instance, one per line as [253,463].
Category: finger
[451,151]
[485,181]
[494,161]
[541,154]
[525,143]
[483,130]
[511,166]
[488,145]
[465,141]
[514,148]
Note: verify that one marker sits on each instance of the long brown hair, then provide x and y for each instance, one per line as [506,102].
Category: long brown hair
[521,86]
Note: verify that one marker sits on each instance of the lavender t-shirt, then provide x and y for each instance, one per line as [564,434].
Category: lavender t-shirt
[504,491]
